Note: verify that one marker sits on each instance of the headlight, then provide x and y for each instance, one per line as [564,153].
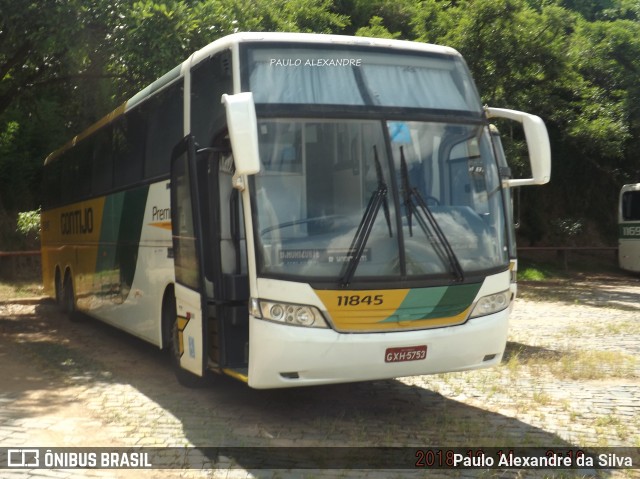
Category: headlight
[295,314]
[491,304]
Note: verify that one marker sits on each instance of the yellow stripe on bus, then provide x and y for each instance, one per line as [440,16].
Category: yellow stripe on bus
[398,309]
[165,225]
[71,239]
[236,375]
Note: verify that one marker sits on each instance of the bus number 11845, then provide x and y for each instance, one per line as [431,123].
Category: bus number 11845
[357,300]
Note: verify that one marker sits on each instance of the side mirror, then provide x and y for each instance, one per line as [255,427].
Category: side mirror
[537,138]
[243,133]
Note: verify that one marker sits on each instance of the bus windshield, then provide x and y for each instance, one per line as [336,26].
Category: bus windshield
[351,191]
[357,77]
[438,203]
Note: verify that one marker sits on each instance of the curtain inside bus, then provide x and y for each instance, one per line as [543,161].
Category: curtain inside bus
[352,77]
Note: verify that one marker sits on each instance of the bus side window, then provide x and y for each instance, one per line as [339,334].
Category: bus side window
[84,167]
[209,80]
[52,183]
[186,253]
[129,136]
[165,130]
[631,206]
[69,179]
[102,174]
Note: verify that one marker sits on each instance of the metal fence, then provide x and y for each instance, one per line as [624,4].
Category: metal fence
[20,265]
[26,264]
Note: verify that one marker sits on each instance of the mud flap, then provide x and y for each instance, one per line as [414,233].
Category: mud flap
[190,330]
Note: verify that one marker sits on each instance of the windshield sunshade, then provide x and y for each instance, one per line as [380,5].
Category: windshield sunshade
[360,78]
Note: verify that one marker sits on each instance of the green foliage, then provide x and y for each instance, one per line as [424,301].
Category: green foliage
[535,270]
[299,16]
[575,63]
[531,274]
[376,29]
[147,37]
[383,18]
[154,37]
[7,137]
[29,223]
[34,38]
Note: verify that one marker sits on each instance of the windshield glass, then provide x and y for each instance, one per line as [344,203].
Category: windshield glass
[323,179]
[286,74]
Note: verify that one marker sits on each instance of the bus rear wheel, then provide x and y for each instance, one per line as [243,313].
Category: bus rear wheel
[59,289]
[68,300]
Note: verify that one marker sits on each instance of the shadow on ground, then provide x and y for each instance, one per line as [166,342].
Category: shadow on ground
[227,413]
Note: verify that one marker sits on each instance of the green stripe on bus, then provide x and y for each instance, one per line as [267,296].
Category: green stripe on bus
[131,222]
[455,300]
[437,302]
[120,233]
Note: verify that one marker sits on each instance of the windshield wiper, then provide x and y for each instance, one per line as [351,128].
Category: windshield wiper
[381,184]
[378,198]
[415,205]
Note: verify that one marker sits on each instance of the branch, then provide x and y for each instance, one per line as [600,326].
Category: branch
[19,56]
[78,76]
[12,93]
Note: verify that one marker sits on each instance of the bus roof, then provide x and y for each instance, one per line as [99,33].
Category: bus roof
[317,38]
[246,37]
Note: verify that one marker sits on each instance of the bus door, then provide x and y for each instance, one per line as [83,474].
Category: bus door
[211,282]
[190,328]
[224,257]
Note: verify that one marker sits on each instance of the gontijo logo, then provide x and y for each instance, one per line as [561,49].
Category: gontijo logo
[76,222]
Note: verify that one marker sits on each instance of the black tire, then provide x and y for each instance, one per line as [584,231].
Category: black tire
[171,339]
[69,300]
[59,290]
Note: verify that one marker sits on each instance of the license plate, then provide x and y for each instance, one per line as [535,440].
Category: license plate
[408,353]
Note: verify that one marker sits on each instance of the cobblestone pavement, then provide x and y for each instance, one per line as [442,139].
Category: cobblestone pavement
[570,378]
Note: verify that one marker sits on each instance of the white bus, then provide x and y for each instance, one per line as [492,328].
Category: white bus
[295,209]
[629,228]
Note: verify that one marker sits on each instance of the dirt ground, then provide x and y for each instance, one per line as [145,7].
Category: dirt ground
[87,384]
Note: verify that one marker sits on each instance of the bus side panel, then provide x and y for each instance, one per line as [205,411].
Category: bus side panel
[70,237]
[118,249]
[629,228]
[629,247]
[140,262]
[48,254]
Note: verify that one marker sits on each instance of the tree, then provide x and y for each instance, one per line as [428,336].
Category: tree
[33,44]
[580,76]
[66,63]
[151,37]
[376,29]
